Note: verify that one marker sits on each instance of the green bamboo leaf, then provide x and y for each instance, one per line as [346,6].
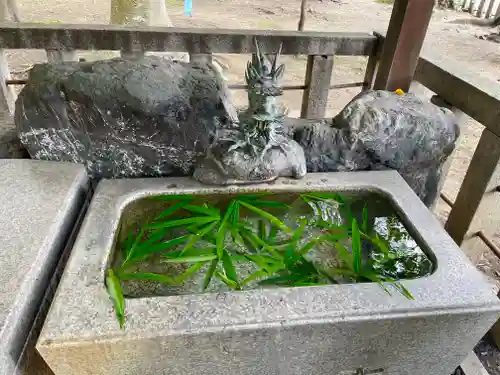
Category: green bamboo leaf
[236,213]
[356,247]
[170,210]
[270,264]
[403,290]
[290,253]
[146,251]
[191,259]
[194,238]
[230,283]
[344,255]
[221,235]
[183,222]
[204,210]
[189,272]
[154,236]
[148,276]
[364,223]
[128,243]
[248,241]
[272,234]
[264,245]
[272,219]
[131,252]
[220,240]
[254,276]
[228,266]
[262,229]
[115,292]
[210,273]
[284,279]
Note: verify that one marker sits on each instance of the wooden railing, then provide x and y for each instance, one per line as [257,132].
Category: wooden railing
[200,43]
[476,209]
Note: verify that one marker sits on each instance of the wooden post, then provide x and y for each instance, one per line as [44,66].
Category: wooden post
[477,179]
[489,12]
[482,8]
[7,95]
[318,76]
[471,6]
[404,39]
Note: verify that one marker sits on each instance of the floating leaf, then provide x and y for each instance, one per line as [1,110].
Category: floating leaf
[170,210]
[364,223]
[189,272]
[210,273]
[230,283]
[145,251]
[356,247]
[254,276]
[192,258]
[204,210]
[183,222]
[228,266]
[115,292]
[148,276]
[194,238]
[272,219]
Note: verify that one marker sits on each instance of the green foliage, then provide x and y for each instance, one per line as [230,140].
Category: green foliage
[252,229]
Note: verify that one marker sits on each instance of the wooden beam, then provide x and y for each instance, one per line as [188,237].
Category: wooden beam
[7,95]
[491,8]
[317,81]
[172,39]
[404,39]
[473,94]
[482,166]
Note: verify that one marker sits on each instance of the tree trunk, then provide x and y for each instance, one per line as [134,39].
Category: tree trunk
[139,12]
[302,19]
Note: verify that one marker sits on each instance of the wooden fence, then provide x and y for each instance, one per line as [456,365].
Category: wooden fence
[482,8]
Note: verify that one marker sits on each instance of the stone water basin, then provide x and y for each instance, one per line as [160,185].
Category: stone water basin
[313,329]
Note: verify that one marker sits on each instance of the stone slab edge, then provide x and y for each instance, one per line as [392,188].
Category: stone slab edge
[17,336]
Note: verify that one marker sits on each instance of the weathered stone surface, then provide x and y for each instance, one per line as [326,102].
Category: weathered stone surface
[253,146]
[226,165]
[382,130]
[40,203]
[146,117]
[10,144]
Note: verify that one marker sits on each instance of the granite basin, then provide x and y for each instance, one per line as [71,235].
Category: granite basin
[333,329]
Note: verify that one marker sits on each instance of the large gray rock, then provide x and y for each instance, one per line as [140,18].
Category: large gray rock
[149,117]
[382,130]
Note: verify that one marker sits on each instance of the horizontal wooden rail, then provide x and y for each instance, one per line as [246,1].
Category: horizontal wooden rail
[476,96]
[234,86]
[193,40]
